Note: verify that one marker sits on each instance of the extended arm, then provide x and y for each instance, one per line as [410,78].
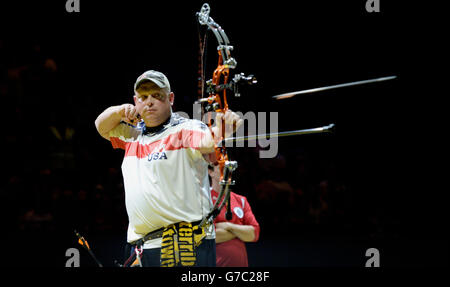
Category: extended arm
[232,123]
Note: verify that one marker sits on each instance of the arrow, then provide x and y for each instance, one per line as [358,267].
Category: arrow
[325,129]
[85,244]
[290,95]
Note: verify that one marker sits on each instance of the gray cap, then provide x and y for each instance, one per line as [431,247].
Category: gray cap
[153,76]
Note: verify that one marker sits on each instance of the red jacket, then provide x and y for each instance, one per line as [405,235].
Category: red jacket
[233,253]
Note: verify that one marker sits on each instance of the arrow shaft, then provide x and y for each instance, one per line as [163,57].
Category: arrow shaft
[289,95]
[279,134]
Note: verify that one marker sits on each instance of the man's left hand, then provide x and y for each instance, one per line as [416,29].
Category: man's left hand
[232,123]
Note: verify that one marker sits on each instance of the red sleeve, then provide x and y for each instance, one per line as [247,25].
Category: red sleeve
[117,142]
[191,138]
[121,135]
[249,218]
[193,134]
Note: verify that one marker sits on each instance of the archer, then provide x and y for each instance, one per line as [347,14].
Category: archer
[165,199]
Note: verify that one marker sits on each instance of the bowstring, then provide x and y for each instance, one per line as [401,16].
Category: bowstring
[201,79]
[202,61]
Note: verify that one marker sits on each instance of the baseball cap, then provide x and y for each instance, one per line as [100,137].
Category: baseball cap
[153,76]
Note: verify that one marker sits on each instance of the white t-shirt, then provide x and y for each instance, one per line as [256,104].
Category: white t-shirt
[165,175]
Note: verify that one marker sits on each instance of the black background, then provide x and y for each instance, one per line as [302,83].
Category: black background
[386,150]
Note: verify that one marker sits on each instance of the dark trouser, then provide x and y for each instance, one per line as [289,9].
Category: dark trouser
[206,255]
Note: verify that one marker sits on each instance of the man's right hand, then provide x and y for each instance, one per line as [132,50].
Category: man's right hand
[129,113]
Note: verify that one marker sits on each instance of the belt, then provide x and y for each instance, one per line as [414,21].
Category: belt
[159,233]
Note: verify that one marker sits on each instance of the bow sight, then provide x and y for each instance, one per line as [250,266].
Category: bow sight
[238,79]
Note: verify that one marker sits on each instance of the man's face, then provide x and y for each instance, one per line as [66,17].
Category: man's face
[153,104]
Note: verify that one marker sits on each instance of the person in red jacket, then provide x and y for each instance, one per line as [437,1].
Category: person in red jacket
[232,235]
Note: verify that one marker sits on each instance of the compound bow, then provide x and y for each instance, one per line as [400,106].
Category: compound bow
[217,102]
